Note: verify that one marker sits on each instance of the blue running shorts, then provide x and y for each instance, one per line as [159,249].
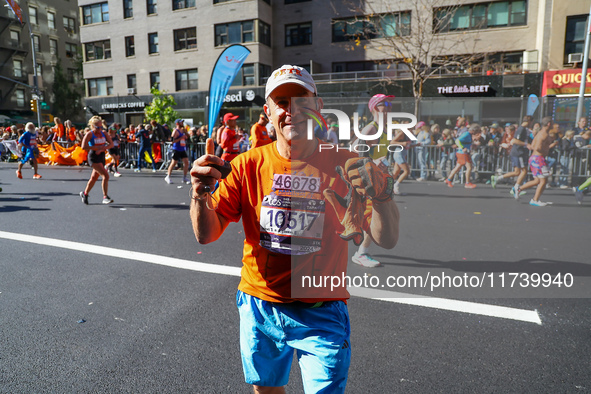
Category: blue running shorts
[270,332]
[401,157]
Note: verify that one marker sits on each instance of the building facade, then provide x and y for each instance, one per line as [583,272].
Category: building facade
[54,26]
[131,45]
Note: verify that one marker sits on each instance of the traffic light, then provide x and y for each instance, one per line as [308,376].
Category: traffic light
[34,105]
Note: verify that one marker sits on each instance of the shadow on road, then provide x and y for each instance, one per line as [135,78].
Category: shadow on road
[12,208]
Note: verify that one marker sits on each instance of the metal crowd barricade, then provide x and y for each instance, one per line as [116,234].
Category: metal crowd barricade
[489,160]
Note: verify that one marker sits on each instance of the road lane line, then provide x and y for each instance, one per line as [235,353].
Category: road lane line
[126,254]
[447,304]
[374,294]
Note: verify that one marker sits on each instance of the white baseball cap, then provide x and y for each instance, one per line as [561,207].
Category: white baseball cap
[290,74]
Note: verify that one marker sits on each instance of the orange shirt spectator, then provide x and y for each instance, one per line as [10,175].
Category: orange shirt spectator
[258,132]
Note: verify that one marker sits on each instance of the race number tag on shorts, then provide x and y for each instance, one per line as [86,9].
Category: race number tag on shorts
[292,225]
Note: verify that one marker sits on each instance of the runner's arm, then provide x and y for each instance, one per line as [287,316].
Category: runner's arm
[208,225]
[110,143]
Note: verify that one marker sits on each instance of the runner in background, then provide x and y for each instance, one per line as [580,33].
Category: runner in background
[537,163]
[114,152]
[579,190]
[96,143]
[520,152]
[464,143]
[179,151]
[27,143]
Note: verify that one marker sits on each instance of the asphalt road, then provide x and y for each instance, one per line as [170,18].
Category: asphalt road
[74,318]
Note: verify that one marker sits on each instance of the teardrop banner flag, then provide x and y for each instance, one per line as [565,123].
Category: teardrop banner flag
[224,72]
[532,104]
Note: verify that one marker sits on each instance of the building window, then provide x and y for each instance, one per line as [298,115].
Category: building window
[71,50]
[51,20]
[576,29]
[15,38]
[18,68]
[152,42]
[264,73]
[219,1]
[127,9]
[95,13]
[241,32]
[383,25]
[185,39]
[19,94]
[36,44]
[155,80]
[264,33]
[98,50]
[131,81]
[298,34]
[480,16]
[69,24]
[152,6]
[53,47]
[180,4]
[39,69]
[245,76]
[33,15]
[100,86]
[186,79]
[129,46]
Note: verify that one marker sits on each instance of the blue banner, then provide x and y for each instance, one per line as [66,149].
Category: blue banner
[224,72]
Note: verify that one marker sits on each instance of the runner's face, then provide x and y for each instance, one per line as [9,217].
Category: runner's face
[281,109]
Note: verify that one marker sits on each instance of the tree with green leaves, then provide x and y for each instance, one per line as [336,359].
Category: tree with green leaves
[160,109]
[66,96]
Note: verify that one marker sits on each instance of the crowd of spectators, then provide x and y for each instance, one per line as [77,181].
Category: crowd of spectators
[431,156]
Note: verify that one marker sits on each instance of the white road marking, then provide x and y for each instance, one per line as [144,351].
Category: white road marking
[448,304]
[374,294]
[125,254]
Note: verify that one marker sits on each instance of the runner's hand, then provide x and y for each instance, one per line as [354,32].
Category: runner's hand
[367,179]
[203,176]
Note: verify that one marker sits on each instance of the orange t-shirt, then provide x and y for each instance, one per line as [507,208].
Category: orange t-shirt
[72,133]
[290,229]
[60,130]
[260,136]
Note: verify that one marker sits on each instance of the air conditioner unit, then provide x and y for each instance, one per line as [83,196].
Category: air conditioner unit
[575,57]
[130,90]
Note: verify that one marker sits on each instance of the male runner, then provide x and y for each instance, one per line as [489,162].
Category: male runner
[520,152]
[258,132]
[280,192]
[464,143]
[27,143]
[537,163]
[179,149]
